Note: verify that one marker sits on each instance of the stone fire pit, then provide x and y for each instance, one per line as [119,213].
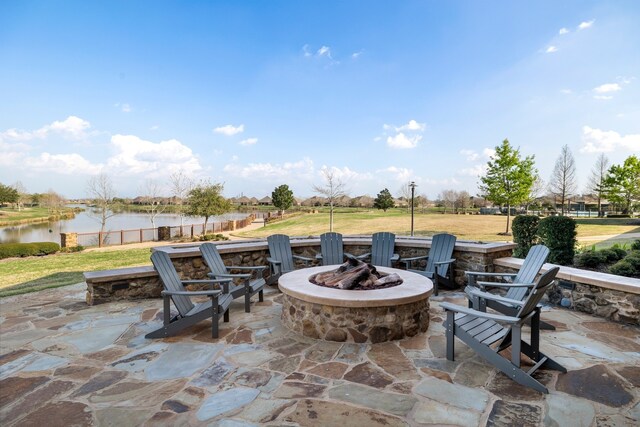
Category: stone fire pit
[359,316]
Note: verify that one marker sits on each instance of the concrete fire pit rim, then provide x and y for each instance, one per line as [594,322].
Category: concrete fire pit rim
[415,287]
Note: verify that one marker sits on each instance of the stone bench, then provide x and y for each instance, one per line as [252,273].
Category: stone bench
[605,295]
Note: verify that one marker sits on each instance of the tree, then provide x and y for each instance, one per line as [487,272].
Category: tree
[101,191]
[563,178]
[8,194]
[448,199]
[23,195]
[622,184]
[384,200]
[333,190]
[508,179]
[595,183]
[405,193]
[282,198]
[537,190]
[206,200]
[152,197]
[53,201]
[180,185]
[463,201]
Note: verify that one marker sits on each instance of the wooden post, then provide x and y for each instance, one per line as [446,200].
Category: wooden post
[141,235]
[100,239]
[122,237]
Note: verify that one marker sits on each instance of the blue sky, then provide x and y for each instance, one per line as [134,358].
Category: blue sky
[261,93]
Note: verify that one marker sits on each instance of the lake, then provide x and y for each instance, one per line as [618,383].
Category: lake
[89,222]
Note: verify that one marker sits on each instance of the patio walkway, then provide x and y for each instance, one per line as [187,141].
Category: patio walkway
[65,363]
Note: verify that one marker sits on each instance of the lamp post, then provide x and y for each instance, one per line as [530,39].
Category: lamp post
[413,186]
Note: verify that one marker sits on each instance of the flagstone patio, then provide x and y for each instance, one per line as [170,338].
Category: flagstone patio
[63,362]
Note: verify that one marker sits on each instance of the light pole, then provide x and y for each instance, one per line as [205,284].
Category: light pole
[413,186]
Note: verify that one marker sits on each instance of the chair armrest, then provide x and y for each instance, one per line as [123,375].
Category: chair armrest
[487,274]
[319,257]
[273,261]
[464,310]
[246,267]
[415,258]
[302,258]
[506,285]
[348,255]
[364,256]
[206,281]
[229,275]
[471,291]
[193,293]
[449,261]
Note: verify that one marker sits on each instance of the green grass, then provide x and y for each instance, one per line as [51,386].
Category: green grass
[21,275]
[9,216]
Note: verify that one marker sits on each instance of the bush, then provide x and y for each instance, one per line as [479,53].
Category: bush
[525,233]
[612,255]
[618,216]
[208,237]
[11,250]
[71,249]
[634,259]
[591,259]
[558,233]
[621,253]
[635,246]
[623,268]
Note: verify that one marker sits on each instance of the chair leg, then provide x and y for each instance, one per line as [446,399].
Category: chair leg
[247,302]
[450,332]
[214,317]
[261,295]
[435,284]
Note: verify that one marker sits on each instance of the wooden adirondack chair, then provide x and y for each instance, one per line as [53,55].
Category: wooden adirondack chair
[517,290]
[252,282]
[382,246]
[479,330]
[188,313]
[280,257]
[438,261]
[331,249]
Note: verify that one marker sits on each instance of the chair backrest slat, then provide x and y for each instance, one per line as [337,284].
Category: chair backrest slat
[442,246]
[531,266]
[212,258]
[171,281]
[331,248]
[382,246]
[537,292]
[280,249]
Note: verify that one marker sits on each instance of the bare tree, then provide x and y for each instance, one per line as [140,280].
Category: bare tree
[53,201]
[448,198]
[463,201]
[101,191]
[152,194]
[405,192]
[23,195]
[563,178]
[537,190]
[180,185]
[333,189]
[595,183]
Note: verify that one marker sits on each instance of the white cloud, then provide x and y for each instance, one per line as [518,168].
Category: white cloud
[563,31]
[489,153]
[403,141]
[249,141]
[345,174]
[324,51]
[586,24]
[306,52]
[412,125]
[476,170]
[398,173]
[260,171]
[229,130]
[126,108]
[566,91]
[137,156]
[65,164]
[551,49]
[470,155]
[71,128]
[154,127]
[607,88]
[596,140]
[356,55]
[602,97]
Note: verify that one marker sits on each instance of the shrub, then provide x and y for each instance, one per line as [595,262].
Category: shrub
[634,259]
[70,249]
[208,237]
[558,233]
[620,252]
[525,233]
[635,246]
[618,216]
[622,268]
[590,259]
[612,255]
[10,250]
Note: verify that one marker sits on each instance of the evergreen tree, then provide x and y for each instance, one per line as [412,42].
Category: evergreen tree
[384,200]
[282,197]
[508,179]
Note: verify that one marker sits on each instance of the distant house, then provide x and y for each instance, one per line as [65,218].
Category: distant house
[243,201]
[254,201]
[265,201]
[363,201]
[314,201]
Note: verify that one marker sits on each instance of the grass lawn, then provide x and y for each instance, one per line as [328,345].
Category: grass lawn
[9,216]
[21,275]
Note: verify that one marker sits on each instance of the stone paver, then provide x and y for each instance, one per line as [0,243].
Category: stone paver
[65,363]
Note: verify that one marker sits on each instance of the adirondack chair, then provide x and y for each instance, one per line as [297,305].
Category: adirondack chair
[479,330]
[382,246]
[517,290]
[188,313]
[252,282]
[280,257]
[331,249]
[438,261]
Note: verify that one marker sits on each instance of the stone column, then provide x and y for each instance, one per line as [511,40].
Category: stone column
[164,233]
[68,240]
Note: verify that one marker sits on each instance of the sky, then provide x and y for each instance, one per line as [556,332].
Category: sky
[255,94]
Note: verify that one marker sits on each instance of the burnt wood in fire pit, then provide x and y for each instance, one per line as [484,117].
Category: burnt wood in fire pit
[356,275]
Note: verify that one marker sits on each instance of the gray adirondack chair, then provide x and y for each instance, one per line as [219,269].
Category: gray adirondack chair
[331,249]
[438,261]
[280,257]
[479,330]
[188,313]
[522,282]
[252,282]
[382,246]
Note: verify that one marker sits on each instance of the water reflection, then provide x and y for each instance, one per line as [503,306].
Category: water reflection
[88,221]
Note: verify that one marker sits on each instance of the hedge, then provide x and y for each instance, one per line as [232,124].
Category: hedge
[558,233]
[525,233]
[10,250]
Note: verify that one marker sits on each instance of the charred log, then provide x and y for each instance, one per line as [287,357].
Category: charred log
[355,274]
